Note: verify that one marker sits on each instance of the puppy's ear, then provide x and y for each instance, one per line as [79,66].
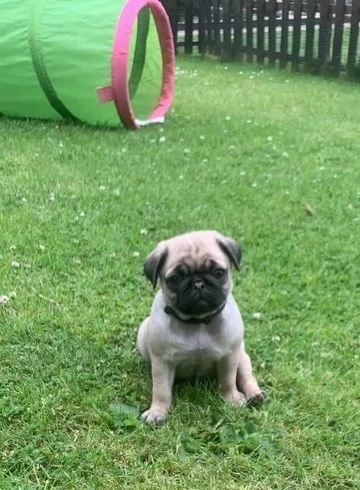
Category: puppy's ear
[154,263]
[231,249]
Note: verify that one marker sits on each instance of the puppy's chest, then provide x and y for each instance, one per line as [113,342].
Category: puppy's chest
[196,354]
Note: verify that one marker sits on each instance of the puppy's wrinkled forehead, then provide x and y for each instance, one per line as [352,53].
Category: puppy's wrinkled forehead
[195,252]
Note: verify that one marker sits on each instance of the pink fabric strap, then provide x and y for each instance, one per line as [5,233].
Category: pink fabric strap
[119,90]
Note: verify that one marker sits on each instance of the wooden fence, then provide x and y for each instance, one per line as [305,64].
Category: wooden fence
[317,34]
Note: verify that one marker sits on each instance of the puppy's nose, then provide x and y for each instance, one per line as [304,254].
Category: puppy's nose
[199,284]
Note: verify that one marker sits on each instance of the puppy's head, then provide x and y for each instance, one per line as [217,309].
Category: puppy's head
[194,270]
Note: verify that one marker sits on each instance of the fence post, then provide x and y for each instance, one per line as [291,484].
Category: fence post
[201,9]
[238,29]
[189,26]
[216,16]
[310,32]
[354,33]
[284,33]
[296,35]
[260,28]
[226,47]
[249,31]
[338,35]
[272,8]
[324,32]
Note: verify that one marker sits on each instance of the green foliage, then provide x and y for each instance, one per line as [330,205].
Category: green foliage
[271,159]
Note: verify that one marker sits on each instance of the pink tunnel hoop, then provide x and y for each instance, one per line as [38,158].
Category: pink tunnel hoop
[119,62]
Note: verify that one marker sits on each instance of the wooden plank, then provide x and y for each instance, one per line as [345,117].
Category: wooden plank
[284,33]
[272,6]
[338,35]
[238,29]
[226,48]
[354,34]
[216,28]
[296,35]
[189,12]
[208,25]
[324,32]
[310,31]
[201,11]
[260,30]
[249,31]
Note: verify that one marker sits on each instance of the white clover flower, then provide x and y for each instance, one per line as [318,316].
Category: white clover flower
[102,188]
[143,232]
[257,315]
[4,299]
[269,138]
[52,197]
[162,139]
[15,264]
[41,248]
[136,254]
[12,294]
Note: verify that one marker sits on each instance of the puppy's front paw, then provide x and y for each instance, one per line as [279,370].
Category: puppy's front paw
[256,399]
[154,416]
[235,398]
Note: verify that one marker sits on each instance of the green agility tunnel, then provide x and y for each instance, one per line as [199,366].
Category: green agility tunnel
[95,61]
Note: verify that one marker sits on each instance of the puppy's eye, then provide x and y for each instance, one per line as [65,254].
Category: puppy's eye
[219,273]
[175,279]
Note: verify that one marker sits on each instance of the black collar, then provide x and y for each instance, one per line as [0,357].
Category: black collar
[193,320]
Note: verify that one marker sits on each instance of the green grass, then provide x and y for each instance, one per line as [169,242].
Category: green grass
[268,157]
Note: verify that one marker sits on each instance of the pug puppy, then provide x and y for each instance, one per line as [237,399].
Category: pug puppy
[195,326]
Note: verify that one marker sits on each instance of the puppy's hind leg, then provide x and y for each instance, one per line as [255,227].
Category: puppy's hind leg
[142,340]
[246,381]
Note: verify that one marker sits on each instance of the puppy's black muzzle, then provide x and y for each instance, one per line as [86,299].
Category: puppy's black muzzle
[199,296]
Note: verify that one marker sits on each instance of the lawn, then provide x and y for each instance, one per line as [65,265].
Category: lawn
[268,157]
